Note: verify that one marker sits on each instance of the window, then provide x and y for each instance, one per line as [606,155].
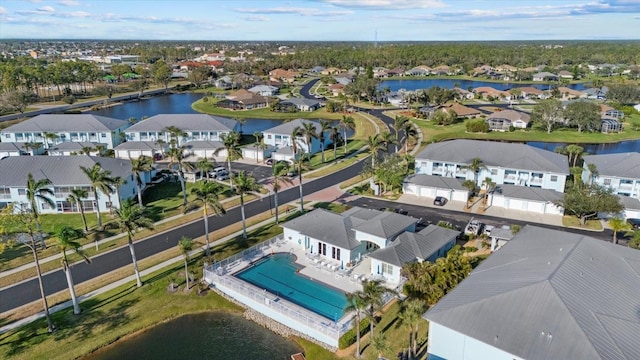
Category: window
[494,172]
[103,135]
[92,134]
[22,192]
[554,178]
[387,269]
[109,204]
[269,136]
[335,253]
[7,136]
[607,182]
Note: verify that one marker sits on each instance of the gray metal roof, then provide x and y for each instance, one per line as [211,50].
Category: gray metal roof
[72,146]
[506,155]
[61,170]
[186,122]
[550,294]
[624,165]
[138,145]
[409,247]
[528,193]
[66,122]
[11,146]
[384,224]
[286,128]
[301,101]
[286,150]
[630,203]
[203,144]
[439,182]
[325,226]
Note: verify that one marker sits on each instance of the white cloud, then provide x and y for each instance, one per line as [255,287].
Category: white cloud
[45,9]
[387,4]
[258,18]
[79,14]
[2,10]
[293,10]
[69,2]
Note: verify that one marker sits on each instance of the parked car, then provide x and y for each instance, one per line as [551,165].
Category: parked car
[219,173]
[401,212]
[635,223]
[157,156]
[269,162]
[439,201]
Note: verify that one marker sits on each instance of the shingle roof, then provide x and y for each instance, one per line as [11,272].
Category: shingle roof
[626,165]
[287,127]
[506,155]
[439,182]
[528,193]
[67,122]
[186,122]
[301,101]
[61,170]
[408,246]
[325,226]
[384,224]
[510,115]
[550,294]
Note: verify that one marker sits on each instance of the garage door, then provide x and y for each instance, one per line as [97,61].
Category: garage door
[134,154]
[516,204]
[410,189]
[444,193]
[536,207]
[427,192]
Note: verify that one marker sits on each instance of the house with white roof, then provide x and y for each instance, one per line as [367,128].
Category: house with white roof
[264,90]
[620,172]
[66,128]
[503,120]
[301,104]
[280,137]
[546,294]
[432,186]
[65,174]
[509,164]
[388,238]
[194,126]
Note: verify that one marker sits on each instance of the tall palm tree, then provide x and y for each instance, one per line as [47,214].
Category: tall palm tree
[100,180]
[185,245]
[207,192]
[204,166]
[489,186]
[161,143]
[27,146]
[77,195]
[257,144]
[618,224]
[345,124]
[410,315]
[387,139]
[574,152]
[334,135]
[593,173]
[399,123]
[86,150]
[355,302]
[279,170]
[176,156]
[131,217]
[139,166]
[175,133]
[475,166]
[36,147]
[244,184]
[49,136]
[240,121]
[322,133]
[39,190]
[302,163]
[372,292]
[66,241]
[231,143]
[309,132]
[409,133]
[100,149]
[379,344]
[375,144]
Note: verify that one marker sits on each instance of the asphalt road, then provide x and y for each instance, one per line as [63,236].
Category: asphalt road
[26,292]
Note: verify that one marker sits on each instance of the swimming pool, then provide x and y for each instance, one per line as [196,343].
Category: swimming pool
[277,274]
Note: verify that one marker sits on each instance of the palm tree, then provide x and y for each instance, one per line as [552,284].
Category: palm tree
[399,123]
[308,131]
[186,245]
[175,133]
[324,127]
[49,136]
[36,146]
[574,152]
[244,184]
[388,139]
[27,146]
[258,136]
[409,132]
[618,224]
[410,315]
[204,166]
[140,166]
[66,241]
[231,143]
[375,144]
[86,150]
[279,171]
[100,180]
[379,344]
[302,163]
[475,166]
[489,186]
[207,192]
[176,156]
[334,135]
[39,190]
[372,291]
[593,171]
[77,195]
[355,302]
[240,121]
[131,217]
[471,186]
[161,143]
[100,149]
[346,123]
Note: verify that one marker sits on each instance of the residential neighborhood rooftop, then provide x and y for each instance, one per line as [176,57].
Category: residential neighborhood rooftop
[625,165]
[186,122]
[441,182]
[288,126]
[550,294]
[67,122]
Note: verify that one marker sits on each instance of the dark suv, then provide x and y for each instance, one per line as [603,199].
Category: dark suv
[635,223]
[439,201]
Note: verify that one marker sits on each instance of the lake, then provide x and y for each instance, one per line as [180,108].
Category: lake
[593,149]
[415,84]
[215,335]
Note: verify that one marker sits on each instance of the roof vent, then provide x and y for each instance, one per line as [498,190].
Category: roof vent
[496,339]
[548,262]
[581,273]
[560,249]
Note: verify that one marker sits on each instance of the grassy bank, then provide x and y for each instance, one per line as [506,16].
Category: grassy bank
[263,113]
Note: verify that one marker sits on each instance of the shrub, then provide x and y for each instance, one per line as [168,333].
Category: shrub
[512,128]
[69,99]
[476,126]
[469,249]
[349,337]
[205,99]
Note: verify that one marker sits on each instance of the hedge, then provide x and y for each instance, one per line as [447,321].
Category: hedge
[348,338]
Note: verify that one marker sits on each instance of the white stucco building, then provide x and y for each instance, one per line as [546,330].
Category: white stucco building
[620,172]
[280,137]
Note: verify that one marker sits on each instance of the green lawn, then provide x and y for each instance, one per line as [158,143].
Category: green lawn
[263,113]
[165,199]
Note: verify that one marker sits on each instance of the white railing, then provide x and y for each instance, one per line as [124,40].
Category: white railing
[219,274]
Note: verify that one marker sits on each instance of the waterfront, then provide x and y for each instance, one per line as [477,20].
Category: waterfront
[214,335]
[415,84]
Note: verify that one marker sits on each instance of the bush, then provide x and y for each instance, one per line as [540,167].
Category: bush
[476,126]
[69,99]
[349,338]
[469,249]
[512,128]
[205,99]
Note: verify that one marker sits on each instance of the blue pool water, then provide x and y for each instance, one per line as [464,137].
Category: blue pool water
[277,274]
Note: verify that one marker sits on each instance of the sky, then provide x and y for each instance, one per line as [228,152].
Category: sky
[321,20]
